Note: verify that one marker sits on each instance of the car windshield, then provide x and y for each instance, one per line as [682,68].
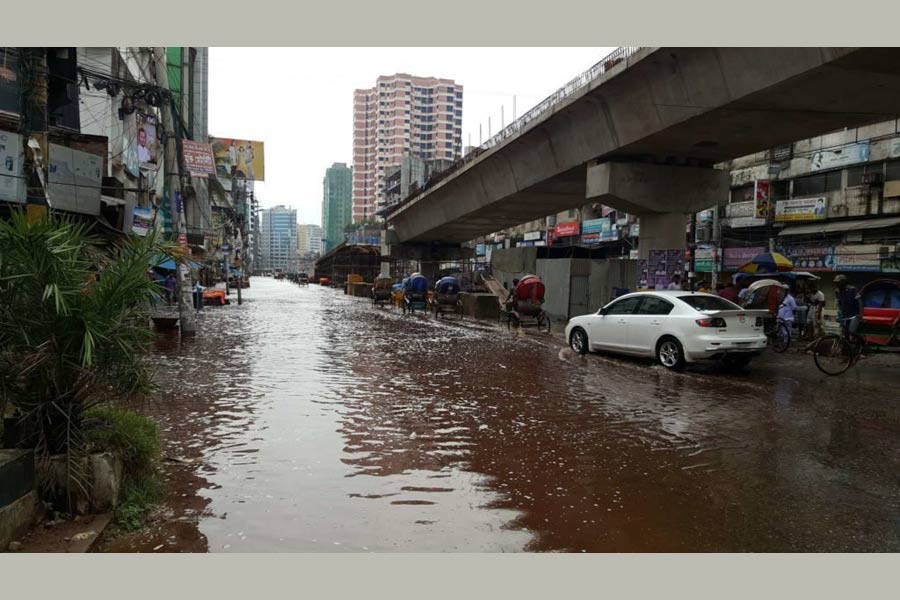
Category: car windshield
[708,303]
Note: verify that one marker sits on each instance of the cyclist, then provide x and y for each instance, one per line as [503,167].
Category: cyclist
[786,309]
[849,310]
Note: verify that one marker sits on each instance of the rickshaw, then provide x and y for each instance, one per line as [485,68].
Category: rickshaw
[446,297]
[767,294]
[524,309]
[879,329]
[381,291]
[303,279]
[415,294]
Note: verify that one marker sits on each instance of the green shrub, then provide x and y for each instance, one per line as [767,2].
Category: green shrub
[132,436]
[138,497]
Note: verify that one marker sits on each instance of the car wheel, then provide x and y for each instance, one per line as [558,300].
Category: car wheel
[578,341]
[670,353]
[736,361]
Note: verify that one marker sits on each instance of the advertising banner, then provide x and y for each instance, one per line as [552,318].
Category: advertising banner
[820,258]
[741,209]
[659,268]
[863,257]
[705,260]
[590,239]
[567,229]
[198,158]
[480,250]
[11,184]
[761,198]
[595,226]
[142,221]
[241,159]
[609,235]
[800,209]
[532,236]
[733,258]
[840,156]
[148,147]
[634,230]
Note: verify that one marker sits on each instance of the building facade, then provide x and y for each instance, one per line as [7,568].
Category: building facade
[402,115]
[278,239]
[337,204]
[309,239]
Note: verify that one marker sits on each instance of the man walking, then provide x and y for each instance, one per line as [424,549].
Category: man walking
[815,302]
[676,283]
[786,309]
[848,305]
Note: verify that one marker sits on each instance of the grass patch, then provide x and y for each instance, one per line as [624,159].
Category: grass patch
[132,436]
[135,438]
[138,497]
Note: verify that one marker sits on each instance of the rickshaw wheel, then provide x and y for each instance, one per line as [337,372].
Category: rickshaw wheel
[543,322]
[781,338]
[512,321]
[833,354]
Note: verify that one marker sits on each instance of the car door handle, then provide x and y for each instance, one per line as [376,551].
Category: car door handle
[622,321]
[654,322]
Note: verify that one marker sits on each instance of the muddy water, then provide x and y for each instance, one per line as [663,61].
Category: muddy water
[307,421]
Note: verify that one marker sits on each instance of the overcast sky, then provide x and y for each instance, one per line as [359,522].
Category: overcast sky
[299,101]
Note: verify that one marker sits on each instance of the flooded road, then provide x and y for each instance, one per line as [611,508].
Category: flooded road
[307,421]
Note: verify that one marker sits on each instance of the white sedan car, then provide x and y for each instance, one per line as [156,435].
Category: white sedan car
[676,327]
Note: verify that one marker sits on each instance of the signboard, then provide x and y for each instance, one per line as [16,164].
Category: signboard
[590,239]
[524,244]
[741,209]
[634,254]
[551,235]
[705,260]
[857,258]
[540,243]
[840,156]
[11,183]
[241,159]
[480,250]
[761,199]
[894,148]
[142,221]
[198,158]
[74,180]
[567,229]
[532,236]
[634,230]
[819,258]
[735,257]
[595,226]
[609,235]
[147,143]
[800,209]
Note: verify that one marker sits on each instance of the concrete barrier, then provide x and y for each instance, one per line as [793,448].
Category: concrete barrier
[480,306]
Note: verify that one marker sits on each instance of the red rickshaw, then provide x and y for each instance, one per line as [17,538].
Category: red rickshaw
[524,308]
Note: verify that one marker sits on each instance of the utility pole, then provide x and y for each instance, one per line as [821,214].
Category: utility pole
[172,176]
[33,128]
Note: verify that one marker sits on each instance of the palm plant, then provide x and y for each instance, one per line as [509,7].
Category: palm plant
[74,329]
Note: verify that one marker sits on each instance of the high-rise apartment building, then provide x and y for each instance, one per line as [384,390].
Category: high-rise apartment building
[278,238]
[401,115]
[336,204]
[309,239]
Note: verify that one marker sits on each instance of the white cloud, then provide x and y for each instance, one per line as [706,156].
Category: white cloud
[299,101]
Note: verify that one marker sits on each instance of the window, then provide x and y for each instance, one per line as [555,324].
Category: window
[892,170]
[655,306]
[708,303]
[855,174]
[817,184]
[625,307]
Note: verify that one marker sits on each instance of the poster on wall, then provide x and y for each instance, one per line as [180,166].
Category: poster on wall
[567,229]
[659,267]
[840,156]
[894,148]
[761,199]
[11,168]
[862,257]
[800,209]
[142,221]
[816,258]
[148,147]
[241,159]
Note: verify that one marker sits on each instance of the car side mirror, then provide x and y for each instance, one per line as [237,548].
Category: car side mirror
[602,312]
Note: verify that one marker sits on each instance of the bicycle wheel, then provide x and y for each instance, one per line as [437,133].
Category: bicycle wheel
[833,354]
[512,321]
[781,338]
[543,322]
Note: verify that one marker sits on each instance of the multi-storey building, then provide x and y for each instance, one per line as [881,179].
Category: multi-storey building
[336,204]
[309,239]
[401,115]
[278,238]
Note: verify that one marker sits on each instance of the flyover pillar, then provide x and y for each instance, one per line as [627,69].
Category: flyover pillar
[662,196]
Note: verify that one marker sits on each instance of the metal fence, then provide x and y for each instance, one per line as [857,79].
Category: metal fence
[546,105]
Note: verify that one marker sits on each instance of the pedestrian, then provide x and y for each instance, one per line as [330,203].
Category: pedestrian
[729,292]
[786,309]
[743,287]
[848,305]
[815,302]
[198,295]
[171,287]
[676,282]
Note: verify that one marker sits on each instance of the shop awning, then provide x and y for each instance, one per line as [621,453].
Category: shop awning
[835,226]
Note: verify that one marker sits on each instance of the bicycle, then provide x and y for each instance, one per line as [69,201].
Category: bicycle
[779,334]
[835,353]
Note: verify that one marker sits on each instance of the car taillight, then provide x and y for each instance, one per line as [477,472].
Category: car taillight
[715,322]
[759,321]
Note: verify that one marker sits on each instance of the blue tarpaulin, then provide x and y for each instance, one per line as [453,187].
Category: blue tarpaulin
[170,265]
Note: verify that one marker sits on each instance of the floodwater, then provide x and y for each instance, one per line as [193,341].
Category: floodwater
[308,421]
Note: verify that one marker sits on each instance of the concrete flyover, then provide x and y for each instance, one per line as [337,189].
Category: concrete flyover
[643,136]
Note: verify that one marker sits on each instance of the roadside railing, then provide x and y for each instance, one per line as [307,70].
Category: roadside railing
[547,104]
